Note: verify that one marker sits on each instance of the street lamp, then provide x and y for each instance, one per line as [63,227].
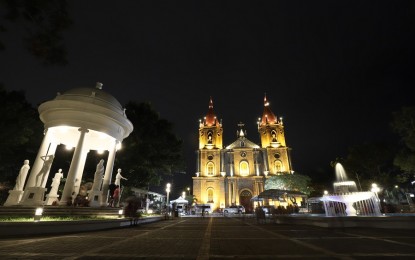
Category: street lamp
[167,191]
[375,189]
[184,194]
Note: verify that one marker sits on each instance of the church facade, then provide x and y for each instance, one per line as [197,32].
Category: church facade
[234,174]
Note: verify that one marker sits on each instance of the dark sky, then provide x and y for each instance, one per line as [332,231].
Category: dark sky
[334,70]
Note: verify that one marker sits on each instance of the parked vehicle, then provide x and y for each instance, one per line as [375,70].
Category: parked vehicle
[203,208]
[236,209]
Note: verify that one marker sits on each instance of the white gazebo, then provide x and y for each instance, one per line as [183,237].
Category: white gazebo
[84,119]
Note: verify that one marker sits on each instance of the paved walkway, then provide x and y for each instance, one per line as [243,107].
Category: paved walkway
[216,238]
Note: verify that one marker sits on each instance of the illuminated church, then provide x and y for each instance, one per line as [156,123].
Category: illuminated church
[232,175]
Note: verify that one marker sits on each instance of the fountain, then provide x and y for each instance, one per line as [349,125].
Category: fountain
[347,200]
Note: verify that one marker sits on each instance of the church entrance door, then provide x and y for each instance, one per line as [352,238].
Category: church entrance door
[245,200]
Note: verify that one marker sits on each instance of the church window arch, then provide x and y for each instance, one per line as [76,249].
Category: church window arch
[209,136]
[274,136]
[210,169]
[243,168]
[278,166]
[210,193]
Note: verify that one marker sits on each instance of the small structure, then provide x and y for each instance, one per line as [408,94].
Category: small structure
[85,119]
[179,204]
[283,198]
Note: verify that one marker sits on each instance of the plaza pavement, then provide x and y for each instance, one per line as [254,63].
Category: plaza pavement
[216,238]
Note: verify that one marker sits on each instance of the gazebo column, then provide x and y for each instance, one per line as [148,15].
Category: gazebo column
[108,174]
[68,190]
[80,171]
[38,163]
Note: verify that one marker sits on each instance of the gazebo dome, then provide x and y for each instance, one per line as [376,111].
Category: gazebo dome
[88,108]
[91,95]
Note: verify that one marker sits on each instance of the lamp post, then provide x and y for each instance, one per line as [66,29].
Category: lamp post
[167,191]
[376,189]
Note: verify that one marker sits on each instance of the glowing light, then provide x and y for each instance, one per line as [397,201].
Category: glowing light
[118,146]
[38,214]
[68,147]
[100,151]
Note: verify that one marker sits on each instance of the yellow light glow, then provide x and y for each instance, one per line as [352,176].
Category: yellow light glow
[100,151]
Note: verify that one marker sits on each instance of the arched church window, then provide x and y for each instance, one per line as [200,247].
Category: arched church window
[210,195]
[210,169]
[278,166]
[244,168]
[274,136]
[209,137]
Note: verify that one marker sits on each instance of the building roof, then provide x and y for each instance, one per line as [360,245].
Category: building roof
[277,193]
[91,95]
[268,116]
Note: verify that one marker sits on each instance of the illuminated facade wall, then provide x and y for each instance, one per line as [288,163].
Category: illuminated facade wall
[234,174]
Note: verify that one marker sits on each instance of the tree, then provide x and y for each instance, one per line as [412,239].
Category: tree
[20,135]
[152,150]
[403,124]
[294,182]
[371,163]
[43,21]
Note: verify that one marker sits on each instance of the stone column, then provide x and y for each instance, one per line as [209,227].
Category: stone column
[108,174]
[76,160]
[80,172]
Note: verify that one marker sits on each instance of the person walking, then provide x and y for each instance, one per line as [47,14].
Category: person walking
[116,196]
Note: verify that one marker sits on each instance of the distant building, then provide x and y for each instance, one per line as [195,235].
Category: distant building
[155,200]
[232,175]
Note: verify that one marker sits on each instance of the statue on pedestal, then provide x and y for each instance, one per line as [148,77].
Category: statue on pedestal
[47,163]
[99,173]
[55,183]
[118,178]
[21,178]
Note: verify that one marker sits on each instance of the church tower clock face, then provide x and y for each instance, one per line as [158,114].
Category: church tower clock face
[243,154]
[210,157]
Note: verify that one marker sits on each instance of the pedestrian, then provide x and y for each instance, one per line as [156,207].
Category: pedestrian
[116,196]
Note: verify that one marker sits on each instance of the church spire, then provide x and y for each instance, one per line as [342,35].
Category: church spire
[210,119]
[268,116]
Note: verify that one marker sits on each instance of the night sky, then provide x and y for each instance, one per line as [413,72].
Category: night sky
[334,70]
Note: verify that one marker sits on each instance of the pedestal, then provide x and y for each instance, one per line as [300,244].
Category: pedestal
[33,196]
[51,198]
[14,197]
[95,198]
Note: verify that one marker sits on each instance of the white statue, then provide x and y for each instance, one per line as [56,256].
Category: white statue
[47,162]
[55,183]
[21,178]
[118,178]
[96,186]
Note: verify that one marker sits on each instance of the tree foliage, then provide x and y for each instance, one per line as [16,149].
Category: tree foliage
[21,132]
[294,182]
[371,163]
[152,150]
[44,22]
[403,124]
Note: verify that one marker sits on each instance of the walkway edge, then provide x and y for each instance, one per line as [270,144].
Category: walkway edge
[13,229]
